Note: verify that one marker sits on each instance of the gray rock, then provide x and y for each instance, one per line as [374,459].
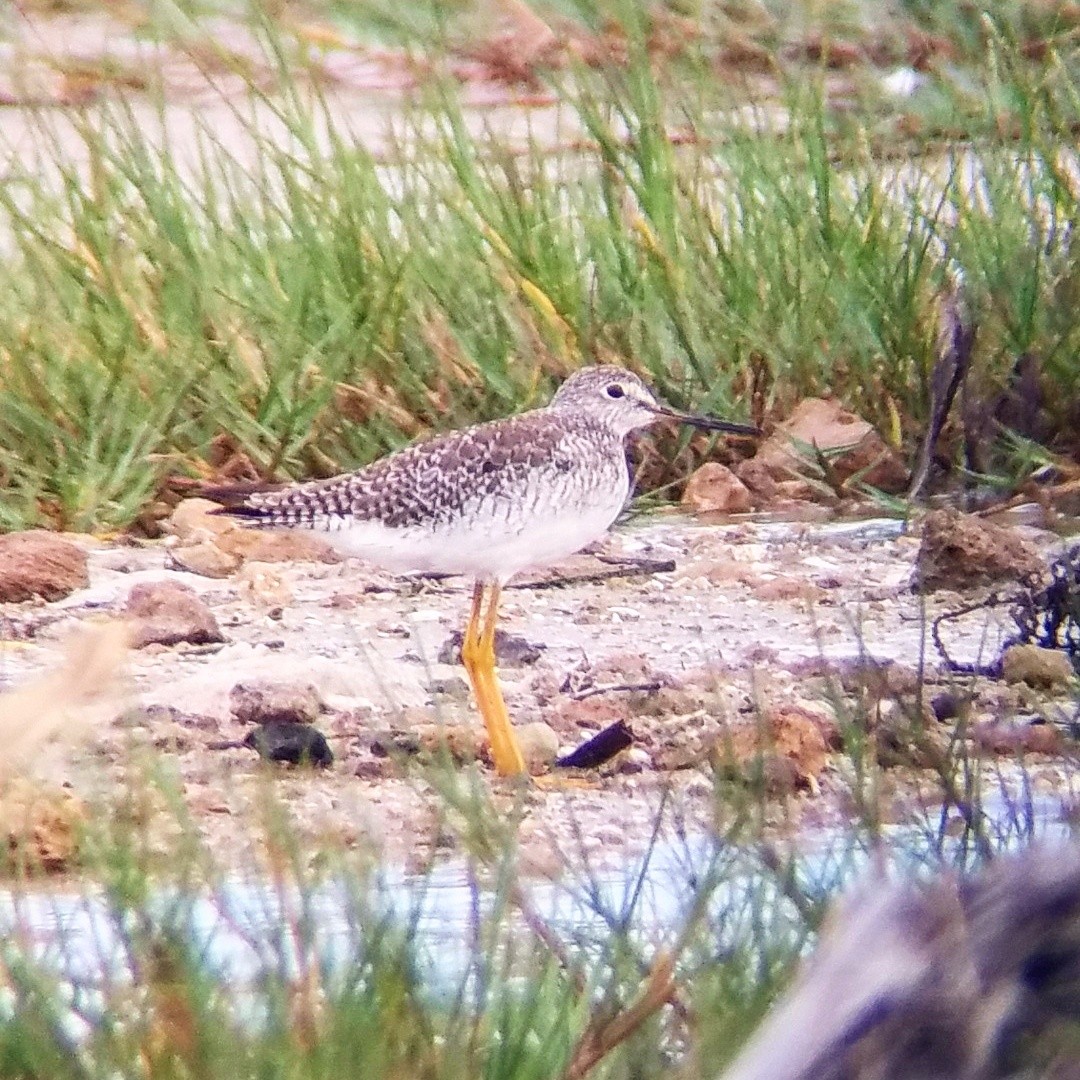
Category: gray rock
[539,745]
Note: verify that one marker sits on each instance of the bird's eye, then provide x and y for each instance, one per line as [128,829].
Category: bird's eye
[615,391]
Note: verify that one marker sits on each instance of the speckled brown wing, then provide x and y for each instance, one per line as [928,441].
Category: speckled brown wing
[429,483]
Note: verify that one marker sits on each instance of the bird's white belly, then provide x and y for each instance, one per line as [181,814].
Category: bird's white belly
[493,545]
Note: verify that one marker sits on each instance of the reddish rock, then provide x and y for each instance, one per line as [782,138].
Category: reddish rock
[258,545]
[164,613]
[798,491]
[195,520]
[1010,739]
[715,489]
[40,564]
[786,749]
[849,443]
[785,590]
[204,558]
[264,701]
[755,476]
[1038,667]
[959,551]
[197,525]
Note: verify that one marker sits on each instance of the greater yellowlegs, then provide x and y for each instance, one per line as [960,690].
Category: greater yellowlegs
[488,501]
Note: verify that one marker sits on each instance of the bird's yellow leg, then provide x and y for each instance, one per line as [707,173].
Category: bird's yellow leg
[478,656]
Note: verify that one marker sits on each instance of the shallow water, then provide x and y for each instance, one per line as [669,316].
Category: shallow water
[249,932]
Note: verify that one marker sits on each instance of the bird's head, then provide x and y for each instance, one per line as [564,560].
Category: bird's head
[622,401]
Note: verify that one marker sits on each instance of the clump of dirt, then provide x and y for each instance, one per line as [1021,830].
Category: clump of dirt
[785,751]
[960,551]
[41,827]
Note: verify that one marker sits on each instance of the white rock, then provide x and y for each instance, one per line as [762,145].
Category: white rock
[903,82]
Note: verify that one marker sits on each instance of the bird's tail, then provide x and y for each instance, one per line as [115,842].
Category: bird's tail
[233,500]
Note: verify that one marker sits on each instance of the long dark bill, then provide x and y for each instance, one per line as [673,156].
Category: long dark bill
[711,423]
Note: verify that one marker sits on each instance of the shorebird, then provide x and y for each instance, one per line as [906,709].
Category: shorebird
[487,501]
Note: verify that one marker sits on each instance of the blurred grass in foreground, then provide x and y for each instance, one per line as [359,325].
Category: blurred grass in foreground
[171,961]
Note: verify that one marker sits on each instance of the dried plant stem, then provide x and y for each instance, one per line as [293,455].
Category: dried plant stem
[604,1033]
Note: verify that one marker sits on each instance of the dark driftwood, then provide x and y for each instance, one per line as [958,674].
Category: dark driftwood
[1046,610]
[955,347]
[599,749]
[967,979]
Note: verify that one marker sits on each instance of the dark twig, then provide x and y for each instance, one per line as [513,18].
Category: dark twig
[960,667]
[621,568]
[1046,611]
[617,688]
